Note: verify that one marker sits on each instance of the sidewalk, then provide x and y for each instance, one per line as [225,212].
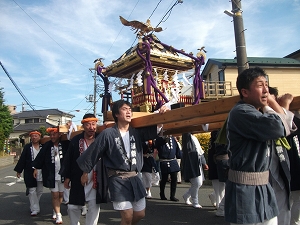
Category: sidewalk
[6,160]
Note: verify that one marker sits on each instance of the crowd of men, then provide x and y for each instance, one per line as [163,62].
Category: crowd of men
[255,156]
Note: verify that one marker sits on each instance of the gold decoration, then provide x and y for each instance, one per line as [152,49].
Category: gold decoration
[139,27]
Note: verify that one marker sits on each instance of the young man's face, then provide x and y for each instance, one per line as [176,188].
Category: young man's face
[125,114]
[258,92]
[90,128]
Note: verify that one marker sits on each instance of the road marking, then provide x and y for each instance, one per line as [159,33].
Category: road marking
[10,184]
[17,180]
[11,177]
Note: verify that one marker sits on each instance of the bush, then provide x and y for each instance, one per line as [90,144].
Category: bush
[204,140]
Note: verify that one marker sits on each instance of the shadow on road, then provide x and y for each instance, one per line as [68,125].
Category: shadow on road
[14,209]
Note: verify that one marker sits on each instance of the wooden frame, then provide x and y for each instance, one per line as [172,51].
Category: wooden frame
[181,120]
[191,118]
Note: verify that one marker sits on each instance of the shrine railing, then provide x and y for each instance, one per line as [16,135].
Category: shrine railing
[218,89]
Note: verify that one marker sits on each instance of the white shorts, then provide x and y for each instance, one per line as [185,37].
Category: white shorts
[59,187]
[136,206]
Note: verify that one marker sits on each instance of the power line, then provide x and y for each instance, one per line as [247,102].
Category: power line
[24,97]
[168,13]
[48,34]
[148,18]
[129,17]
[19,90]
[49,37]
[21,93]
[155,8]
[122,28]
[16,86]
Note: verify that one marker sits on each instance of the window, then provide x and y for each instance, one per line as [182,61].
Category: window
[209,77]
[28,120]
[209,85]
[35,120]
[221,85]
[221,75]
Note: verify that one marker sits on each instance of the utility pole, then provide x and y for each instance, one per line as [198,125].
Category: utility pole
[241,54]
[95,92]
[93,98]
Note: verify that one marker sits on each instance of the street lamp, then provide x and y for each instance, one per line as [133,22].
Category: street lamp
[229,13]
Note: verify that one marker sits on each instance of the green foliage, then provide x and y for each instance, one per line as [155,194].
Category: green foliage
[6,120]
[204,139]
[2,139]
[43,131]
[1,97]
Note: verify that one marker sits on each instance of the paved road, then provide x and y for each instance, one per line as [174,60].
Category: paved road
[14,207]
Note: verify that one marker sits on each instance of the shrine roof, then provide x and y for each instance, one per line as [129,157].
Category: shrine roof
[161,58]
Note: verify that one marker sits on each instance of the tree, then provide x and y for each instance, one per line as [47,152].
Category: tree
[204,140]
[43,131]
[6,121]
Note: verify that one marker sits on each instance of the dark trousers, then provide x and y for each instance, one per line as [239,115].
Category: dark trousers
[162,184]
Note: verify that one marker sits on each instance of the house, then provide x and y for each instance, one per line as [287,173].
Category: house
[220,75]
[27,121]
[12,109]
[294,55]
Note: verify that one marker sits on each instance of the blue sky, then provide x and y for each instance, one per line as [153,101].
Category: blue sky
[48,46]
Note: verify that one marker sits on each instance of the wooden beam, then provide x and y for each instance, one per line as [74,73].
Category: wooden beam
[65,128]
[194,129]
[180,114]
[47,138]
[202,113]
[196,121]
[108,115]
[187,119]
[104,126]
[222,106]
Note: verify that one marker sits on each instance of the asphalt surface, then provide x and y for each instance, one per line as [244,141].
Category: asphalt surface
[14,206]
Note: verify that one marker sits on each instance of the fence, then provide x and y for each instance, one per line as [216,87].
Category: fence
[217,89]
